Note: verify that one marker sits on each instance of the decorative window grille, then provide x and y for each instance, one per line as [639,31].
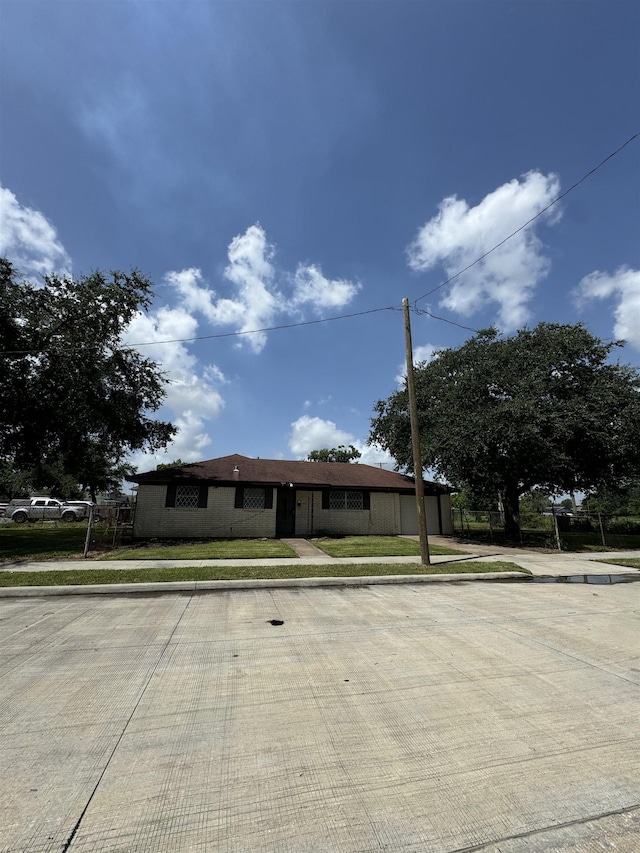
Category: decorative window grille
[354,500]
[253,498]
[346,500]
[187,497]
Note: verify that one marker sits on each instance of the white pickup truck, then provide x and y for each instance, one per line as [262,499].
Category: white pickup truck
[37,509]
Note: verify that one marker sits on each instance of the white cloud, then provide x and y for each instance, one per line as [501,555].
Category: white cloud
[258,300]
[312,288]
[426,352]
[374,455]
[189,444]
[624,286]
[192,393]
[251,272]
[315,433]
[28,240]
[459,234]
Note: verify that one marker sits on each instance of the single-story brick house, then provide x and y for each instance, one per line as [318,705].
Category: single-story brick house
[236,496]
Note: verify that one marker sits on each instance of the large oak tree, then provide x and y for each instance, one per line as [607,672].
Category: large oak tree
[74,400]
[543,408]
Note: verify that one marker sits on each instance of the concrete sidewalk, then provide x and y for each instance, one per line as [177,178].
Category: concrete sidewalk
[538,564]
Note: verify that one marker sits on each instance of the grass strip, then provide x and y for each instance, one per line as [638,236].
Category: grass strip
[631,562]
[378,546]
[217,549]
[213,573]
[41,541]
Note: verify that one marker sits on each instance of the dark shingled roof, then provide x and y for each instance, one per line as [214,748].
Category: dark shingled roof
[274,472]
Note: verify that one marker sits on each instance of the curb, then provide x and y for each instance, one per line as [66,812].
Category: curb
[228,585]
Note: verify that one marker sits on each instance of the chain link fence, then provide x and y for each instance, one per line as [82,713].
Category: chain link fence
[563,531]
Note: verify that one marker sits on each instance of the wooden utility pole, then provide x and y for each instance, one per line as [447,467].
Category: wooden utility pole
[415,439]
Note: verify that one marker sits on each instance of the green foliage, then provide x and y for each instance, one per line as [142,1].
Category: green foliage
[75,401]
[543,408]
[616,500]
[13,484]
[467,498]
[335,454]
[175,464]
[535,501]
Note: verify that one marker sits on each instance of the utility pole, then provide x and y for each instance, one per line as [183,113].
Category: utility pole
[415,439]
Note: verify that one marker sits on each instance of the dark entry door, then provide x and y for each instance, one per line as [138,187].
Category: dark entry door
[286,511]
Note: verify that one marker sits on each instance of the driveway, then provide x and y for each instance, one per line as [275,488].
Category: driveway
[441,717]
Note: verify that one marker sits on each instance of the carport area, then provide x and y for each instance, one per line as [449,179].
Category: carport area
[432,717]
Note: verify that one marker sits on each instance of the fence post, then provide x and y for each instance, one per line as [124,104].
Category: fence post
[604,544]
[88,536]
[555,524]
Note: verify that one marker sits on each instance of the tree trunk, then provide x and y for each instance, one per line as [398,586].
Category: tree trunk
[511,507]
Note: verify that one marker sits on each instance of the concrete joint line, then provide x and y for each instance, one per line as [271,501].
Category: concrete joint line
[504,627]
[76,827]
[531,832]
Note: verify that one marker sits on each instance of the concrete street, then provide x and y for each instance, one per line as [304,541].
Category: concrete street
[432,717]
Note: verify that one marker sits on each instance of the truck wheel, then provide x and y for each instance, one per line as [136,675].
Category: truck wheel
[20,517]
[69,516]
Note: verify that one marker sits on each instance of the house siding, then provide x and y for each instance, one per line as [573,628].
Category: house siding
[447,518]
[220,519]
[383,517]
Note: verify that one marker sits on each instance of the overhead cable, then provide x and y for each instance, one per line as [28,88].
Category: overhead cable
[529,221]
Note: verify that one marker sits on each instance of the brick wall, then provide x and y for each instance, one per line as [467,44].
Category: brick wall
[220,519]
[382,519]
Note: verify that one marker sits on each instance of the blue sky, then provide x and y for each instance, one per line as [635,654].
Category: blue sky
[269,163]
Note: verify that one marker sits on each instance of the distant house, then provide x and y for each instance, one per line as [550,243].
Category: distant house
[236,496]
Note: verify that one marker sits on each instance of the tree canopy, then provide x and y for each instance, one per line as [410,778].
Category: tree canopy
[335,454]
[623,499]
[75,400]
[543,408]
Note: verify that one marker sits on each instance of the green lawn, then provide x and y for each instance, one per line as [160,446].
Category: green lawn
[45,540]
[215,549]
[377,546]
[631,562]
[192,573]
[55,540]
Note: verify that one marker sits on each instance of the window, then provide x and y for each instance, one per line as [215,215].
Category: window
[187,497]
[254,497]
[345,500]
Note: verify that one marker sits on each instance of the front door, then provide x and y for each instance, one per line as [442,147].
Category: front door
[286,511]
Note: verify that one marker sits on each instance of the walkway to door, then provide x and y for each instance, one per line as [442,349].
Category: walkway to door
[303,548]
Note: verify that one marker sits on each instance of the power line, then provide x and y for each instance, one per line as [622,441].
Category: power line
[419,311]
[224,334]
[529,221]
[268,328]
[371,310]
